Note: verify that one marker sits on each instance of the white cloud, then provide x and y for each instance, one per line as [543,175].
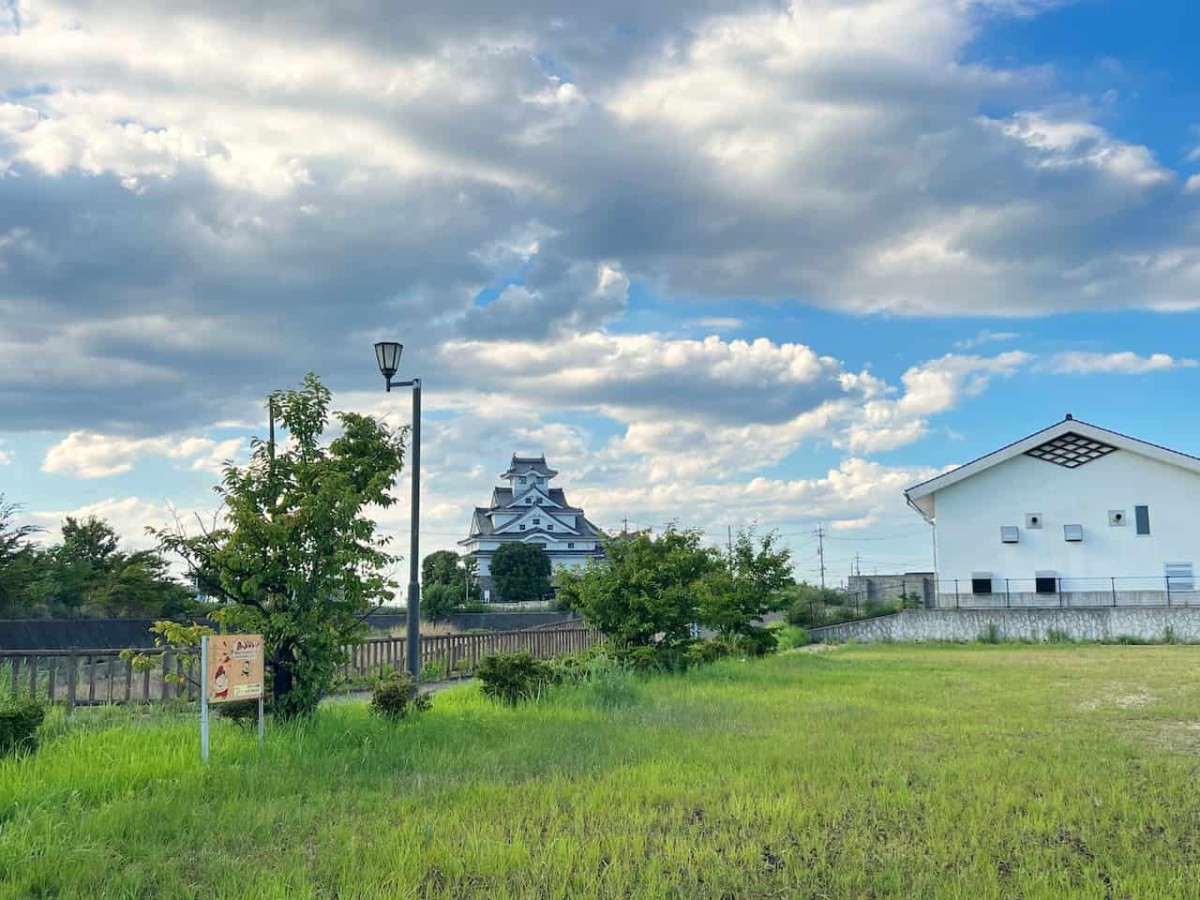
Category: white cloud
[930,388]
[83,454]
[129,517]
[986,336]
[1079,362]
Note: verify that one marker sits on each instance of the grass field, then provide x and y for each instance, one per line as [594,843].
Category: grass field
[867,771]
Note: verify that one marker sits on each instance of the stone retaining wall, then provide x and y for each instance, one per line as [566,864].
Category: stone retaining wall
[1104,623]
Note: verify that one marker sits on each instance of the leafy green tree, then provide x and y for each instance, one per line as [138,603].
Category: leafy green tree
[19,560]
[440,567]
[140,585]
[734,599]
[646,589]
[440,600]
[297,556]
[521,572]
[91,542]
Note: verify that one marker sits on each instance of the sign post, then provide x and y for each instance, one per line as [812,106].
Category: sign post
[231,669]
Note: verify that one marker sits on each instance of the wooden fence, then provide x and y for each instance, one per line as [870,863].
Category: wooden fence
[82,677]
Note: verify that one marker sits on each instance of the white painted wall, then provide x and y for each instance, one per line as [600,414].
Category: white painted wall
[969,515]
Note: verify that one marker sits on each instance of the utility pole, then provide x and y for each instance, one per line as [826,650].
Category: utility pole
[857,563]
[821,552]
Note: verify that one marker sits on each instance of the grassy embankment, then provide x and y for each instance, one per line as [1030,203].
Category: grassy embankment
[866,771]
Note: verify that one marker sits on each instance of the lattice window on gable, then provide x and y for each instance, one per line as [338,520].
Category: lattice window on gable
[1071,450]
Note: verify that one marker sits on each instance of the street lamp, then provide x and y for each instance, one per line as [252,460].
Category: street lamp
[387,354]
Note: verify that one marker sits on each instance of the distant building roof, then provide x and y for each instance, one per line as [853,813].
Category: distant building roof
[523,465]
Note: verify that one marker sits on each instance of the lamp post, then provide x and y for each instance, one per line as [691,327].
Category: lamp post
[387,354]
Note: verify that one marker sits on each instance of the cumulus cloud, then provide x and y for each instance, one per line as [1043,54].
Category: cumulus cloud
[1077,362]
[329,177]
[129,517]
[83,454]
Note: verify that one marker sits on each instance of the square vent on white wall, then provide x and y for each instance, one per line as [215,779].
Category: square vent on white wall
[1009,534]
[1073,533]
[1033,520]
[1116,517]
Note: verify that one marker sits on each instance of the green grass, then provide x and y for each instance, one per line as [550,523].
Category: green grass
[866,771]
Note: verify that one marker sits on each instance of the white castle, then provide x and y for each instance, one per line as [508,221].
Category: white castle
[530,511]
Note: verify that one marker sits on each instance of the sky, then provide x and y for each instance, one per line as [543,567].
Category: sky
[725,263]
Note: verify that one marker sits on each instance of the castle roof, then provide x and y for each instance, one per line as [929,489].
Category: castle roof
[524,465]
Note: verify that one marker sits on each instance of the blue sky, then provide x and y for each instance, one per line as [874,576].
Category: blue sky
[724,262]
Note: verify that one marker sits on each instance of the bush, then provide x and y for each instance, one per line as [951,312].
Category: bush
[756,642]
[704,652]
[790,636]
[243,712]
[20,719]
[512,677]
[396,695]
[990,635]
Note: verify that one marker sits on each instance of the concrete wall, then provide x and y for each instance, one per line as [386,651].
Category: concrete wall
[916,625]
[883,588]
[970,513]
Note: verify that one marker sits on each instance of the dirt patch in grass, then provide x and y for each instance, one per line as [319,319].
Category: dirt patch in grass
[1182,737]
[1120,697]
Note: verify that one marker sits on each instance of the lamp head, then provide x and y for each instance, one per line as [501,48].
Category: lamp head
[387,354]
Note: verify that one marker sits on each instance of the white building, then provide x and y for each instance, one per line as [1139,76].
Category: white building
[1071,515]
[530,511]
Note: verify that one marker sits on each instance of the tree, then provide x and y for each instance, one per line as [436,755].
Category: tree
[734,599]
[297,556]
[91,542]
[440,567]
[18,560]
[646,588]
[440,600]
[521,572]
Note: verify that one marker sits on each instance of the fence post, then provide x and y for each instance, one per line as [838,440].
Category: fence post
[1007,595]
[1114,590]
[956,593]
[1060,596]
[1167,578]
[72,677]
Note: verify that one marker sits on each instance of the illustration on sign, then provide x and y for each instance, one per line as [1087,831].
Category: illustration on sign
[235,667]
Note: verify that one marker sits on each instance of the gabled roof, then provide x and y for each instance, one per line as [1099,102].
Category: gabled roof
[523,465]
[1070,443]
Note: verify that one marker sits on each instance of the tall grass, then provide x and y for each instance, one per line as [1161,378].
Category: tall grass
[868,771]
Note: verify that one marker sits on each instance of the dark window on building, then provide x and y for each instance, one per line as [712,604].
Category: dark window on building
[521,480]
[981,585]
[570,545]
[1046,584]
[522,527]
[1141,515]
[537,521]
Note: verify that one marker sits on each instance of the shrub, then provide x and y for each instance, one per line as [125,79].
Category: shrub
[1171,636]
[790,636]
[990,635]
[704,652]
[1058,636]
[20,719]
[756,642]
[512,677]
[396,695]
[243,712]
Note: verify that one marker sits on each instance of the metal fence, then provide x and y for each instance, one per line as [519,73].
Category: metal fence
[988,592]
[89,677]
